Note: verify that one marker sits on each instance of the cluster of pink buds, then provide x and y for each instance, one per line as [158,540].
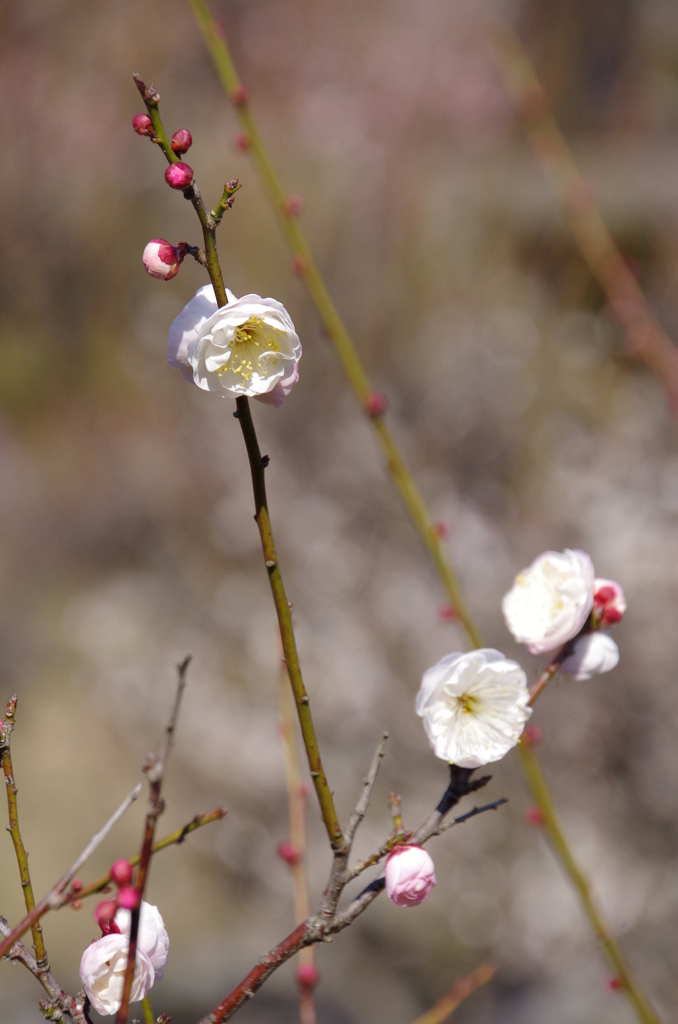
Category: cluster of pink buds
[288,852]
[127,897]
[609,602]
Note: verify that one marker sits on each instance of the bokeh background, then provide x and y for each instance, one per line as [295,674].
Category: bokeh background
[127,536]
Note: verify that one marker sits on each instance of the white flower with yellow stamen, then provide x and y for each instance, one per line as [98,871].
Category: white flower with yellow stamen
[473,706]
[247,347]
[551,600]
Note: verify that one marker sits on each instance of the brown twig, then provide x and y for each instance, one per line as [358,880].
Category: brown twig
[459,992]
[57,895]
[154,768]
[321,926]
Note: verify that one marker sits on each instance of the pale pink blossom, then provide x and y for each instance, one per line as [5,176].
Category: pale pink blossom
[409,875]
[593,654]
[551,600]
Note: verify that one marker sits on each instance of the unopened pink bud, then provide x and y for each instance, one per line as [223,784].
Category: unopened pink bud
[441,530]
[182,140]
[104,914]
[293,205]
[239,96]
[142,124]
[409,875]
[615,984]
[129,897]
[121,872]
[242,141]
[162,259]
[288,852]
[308,976]
[609,597]
[298,266]
[76,885]
[179,175]
[448,613]
[376,404]
[533,734]
[534,816]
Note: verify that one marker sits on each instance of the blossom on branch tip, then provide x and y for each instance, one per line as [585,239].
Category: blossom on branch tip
[102,972]
[409,875]
[161,259]
[248,347]
[593,654]
[473,706]
[550,601]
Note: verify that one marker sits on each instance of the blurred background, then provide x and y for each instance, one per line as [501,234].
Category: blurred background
[126,515]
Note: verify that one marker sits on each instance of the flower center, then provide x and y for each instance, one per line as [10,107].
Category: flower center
[251,341]
[467,703]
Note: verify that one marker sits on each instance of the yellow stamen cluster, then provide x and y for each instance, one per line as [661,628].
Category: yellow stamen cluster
[251,340]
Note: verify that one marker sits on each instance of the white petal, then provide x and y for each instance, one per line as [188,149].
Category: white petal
[593,654]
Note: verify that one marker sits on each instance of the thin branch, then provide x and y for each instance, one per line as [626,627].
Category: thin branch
[336,329]
[581,884]
[6,730]
[458,994]
[57,895]
[174,838]
[155,768]
[368,785]
[258,465]
[646,340]
[58,998]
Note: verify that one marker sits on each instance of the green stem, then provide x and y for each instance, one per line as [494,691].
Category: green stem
[542,797]
[15,832]
[262,517]
[334,325]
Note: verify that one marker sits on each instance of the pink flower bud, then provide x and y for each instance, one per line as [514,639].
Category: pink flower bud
[615,984]
[182,140]
[608,596]
[533,734]
[308,976]
[409,875]
[448,613]
[376,404]
[128,897]
[239,96]
[162,259]
[441,530]
[121,872]
[534,816]
[179,175]
[76,885]
[104,914]
[288,852]
[142,124]
[292,206]
[242,141]
[298,266]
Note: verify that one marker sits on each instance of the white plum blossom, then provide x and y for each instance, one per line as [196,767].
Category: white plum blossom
[409,875]
[102,972]
[551,600]
[247,347]
[473,706]
[102,966]
[152,937]
[593,654]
